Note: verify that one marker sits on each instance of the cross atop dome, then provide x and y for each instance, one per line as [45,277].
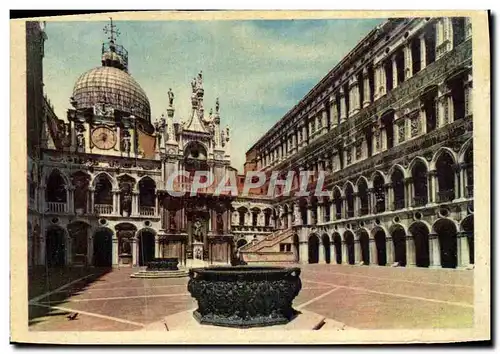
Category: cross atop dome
[111,30]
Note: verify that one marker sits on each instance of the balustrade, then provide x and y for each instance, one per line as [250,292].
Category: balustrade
[146,211]
[103,209]
[446,195]
[419,201]
[55,207]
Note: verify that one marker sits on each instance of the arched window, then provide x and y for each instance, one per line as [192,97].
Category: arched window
[56,188]
[398,187]
[80,181]
[446,178]
[363,197]
[337,199]
[419,177]
[126,184]
[379,190]
[103,197]
[147,196]
[349,195]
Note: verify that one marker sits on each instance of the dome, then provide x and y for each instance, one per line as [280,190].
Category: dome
[113,86]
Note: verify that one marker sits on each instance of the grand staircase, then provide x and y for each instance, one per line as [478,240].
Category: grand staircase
[267,249]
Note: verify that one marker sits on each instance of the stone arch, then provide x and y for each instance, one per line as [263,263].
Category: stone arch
[442,150]
[465,146]
[416,160]
[335,189]
[446,230]
[200,147]
[58,171]
[303,210]
[349,242]
[55,246]
[242,212]
[419,230]
[398,234]
[313,248]
[337,243]
[56,187]
[145,245]
[103,247]
[398,167]
[111,179]
[325,242]
[147,195]
[364,245]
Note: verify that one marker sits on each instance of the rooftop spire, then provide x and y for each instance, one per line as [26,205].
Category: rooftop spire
[113,54]
[111,30]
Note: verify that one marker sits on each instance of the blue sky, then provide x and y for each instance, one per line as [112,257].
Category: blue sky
[259,69]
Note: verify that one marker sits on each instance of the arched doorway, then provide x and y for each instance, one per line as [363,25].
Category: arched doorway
[380,242]
[313,248]
[296,248]
[468,227]
[55,247]
[399,240]
[349,241]
[420,234]
[78,231]
[447,235]
[103,248]
[364,244]
[337,242]
[325,240]
[146,249]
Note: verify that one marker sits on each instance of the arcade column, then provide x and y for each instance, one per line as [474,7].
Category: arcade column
[303,252]
[434,251]
[114,252]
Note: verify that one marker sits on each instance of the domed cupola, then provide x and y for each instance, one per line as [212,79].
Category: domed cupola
[111,84]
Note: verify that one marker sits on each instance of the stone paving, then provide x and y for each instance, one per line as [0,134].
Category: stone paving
[359,297]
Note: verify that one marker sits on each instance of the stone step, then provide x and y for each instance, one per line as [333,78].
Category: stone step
[160,274]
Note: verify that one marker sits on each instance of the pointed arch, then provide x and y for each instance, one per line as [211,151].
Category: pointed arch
[399,167]
[58,171]
[439,153]
[417,160]
[463,150]
[103,174]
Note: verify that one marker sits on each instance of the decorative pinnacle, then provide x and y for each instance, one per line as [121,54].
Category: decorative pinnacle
[111,31]
[217,105]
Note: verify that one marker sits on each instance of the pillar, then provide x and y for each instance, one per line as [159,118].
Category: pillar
[408,61]
[303,252]
[321,253]
[434,251]
[357,252]
[135,259]
[394,72]
[333,112]
[42,245]
[68,259]
[366,88]
[90,249]
[114,251]
[116,201]
[423,59]
[157,246]
[345,259]
[432,187]
[353,97]
[373,251]
[342,107]
[410,251]
[463,250]
[389,250]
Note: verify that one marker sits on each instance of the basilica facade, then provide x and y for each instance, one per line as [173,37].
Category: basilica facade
[390,126]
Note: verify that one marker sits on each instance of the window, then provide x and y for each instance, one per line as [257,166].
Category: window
[285,247]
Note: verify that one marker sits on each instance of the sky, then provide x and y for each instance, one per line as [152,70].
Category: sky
[259,69]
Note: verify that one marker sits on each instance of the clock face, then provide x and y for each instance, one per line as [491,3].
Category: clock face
[104,138]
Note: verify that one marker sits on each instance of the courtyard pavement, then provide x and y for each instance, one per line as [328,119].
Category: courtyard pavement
[359,297]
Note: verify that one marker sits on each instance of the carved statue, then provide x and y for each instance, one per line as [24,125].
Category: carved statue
[193,85]
[219,223]
[197,231]
[217,105]
[170,97]
[296,214]
[199,80]
[172,224]
[227,133]
[126,143]
[80,140]
[260,220]
[235,218]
